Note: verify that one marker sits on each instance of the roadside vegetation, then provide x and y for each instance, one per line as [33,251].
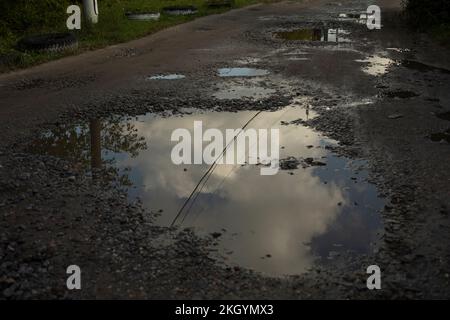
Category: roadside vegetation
[19,18]
[431,16]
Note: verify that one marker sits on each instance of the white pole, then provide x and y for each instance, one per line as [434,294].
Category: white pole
[90,8]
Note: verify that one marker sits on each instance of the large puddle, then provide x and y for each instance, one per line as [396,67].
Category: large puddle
[280,224]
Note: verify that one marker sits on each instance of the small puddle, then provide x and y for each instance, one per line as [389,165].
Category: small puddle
[317,207]
[166,77]
[242,72]
[376,65]
[316,34]
[443,136]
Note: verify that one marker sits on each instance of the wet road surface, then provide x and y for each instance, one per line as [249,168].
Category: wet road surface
[364,179]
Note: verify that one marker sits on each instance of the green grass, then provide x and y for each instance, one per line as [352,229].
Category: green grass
[441,34]
[113,27]
[430,16]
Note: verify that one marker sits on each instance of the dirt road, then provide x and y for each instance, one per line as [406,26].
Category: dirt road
[382,96]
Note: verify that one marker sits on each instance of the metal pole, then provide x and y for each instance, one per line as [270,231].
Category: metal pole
[90,8]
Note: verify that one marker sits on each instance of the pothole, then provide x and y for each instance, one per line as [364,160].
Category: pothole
[314,34]
[280,224]
[242,72]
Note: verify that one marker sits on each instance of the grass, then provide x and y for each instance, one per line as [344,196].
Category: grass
[441,34]
[113,27]
[430,16]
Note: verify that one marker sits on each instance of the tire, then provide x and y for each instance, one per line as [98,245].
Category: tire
[220,3]
[52,42]
[179,10]
[143,16]
[10,59]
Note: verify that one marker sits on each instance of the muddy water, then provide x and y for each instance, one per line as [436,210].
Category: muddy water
[281,224]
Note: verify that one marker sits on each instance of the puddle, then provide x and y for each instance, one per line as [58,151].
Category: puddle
[148,16]
[280,224]
[376,65]
[443,136]
[421,67]
[166,77]
[179,11]
[241,91]
[242,72]
[316,34]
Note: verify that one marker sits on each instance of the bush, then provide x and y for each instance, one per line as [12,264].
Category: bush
[423,14]
[25,16]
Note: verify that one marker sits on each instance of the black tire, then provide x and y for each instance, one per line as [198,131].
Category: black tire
[143,16]
[179,10]
[10,59]
[52,42]
[220,3]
